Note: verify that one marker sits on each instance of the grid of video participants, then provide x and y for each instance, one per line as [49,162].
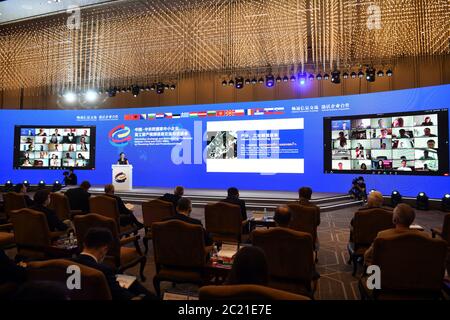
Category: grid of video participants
[54,147]
[407,144]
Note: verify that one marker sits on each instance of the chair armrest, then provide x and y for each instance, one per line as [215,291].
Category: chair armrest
[7,227]
[74,213]
[127,240]
[436,231]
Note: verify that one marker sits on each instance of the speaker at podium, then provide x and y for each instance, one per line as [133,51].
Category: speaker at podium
[122,177]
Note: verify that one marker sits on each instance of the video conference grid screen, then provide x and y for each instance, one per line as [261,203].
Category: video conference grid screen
[400,143]
[53,147]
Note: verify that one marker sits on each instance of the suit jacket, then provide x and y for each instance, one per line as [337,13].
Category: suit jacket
[78,199]
[240,203]
[52,219]
[170,197]
[306,202]
[117,292]
[9,271]
[368,255]
[123,210]
[184,218]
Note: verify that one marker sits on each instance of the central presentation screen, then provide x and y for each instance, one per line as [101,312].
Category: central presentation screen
[54,147]
[413,143]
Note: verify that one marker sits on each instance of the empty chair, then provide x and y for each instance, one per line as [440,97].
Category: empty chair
[107,206]
[180,253]
[412,267]
[224,221]
[155,211]
[366,225]
[123,257]
[290,258]
[32,235]
[246,292]
[13,201]
[60,204]
[93,282]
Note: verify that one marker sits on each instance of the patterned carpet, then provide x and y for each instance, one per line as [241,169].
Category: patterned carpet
[336,282]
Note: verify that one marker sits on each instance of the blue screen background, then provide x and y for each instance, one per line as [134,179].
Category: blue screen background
[153,166]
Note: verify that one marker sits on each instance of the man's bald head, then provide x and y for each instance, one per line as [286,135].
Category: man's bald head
[282,216]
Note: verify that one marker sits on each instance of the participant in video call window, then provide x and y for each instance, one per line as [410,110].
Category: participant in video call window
[344,125]
[26,163]
[381,124]
[383,134]
[427,133]
[83,139]
[83,146]
[53,139]
[342,140]
[85,133]
[431,144]
[383,145]
[403,166]
[427,122]
[56,133]
[54,162]
[403,134]
[380,164]
[363,167]
[340,166]
[398,122]
[68,156]
[425,167]
[81,157]
[42,132]
[426,156]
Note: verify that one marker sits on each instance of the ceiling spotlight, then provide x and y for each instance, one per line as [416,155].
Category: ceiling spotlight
[135,91]
[26,183]
[422,201]
[319,77]
[261,80]
[231,83]
[370,74]
[336,77]
[285,79]
[270,81]
[293,78]
[91,96]
[278,79]
[153,87]
[147,88]
[353,75]
[345,75]
[224,83]
[128,89]
[239,83]
[396,198]
[360,74]
[302,78]
[160,88]
[123,90]
[9,186]
[254,81]
[389,73]
[311,77]
[41,184]
[56,186]
[326,76]
[166,86]
[172,87]
[380,73]
[247,81]
[70,97]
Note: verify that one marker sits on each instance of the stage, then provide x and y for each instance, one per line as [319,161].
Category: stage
[255,199]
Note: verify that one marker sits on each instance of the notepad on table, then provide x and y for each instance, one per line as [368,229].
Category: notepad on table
[129,206]
[125,281]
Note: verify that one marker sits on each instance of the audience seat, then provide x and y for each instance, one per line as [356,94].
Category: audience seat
[246,292]
[60,204]
[6,235]
[366,225]
[154,211]
[412,267]
[123,257]
[13,201]
[290,258]
[32,235]
[444,234]
[180,253]
[107,206]
[304,218]
[224,222]
[93,282]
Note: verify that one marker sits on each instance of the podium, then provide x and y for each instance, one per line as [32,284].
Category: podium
[122,177]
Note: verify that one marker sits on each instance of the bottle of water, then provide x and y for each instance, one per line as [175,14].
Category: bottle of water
[71,240]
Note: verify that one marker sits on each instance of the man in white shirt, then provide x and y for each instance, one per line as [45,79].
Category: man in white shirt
[403,167]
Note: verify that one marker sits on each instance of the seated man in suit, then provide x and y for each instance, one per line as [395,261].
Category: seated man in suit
[41,202]
[403,217]
[183,212]
[22,189]
[126,215]
[233,198]
[95,248]
[374,200]
[173,198]
[79,197]
[304,194]
[282,216]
